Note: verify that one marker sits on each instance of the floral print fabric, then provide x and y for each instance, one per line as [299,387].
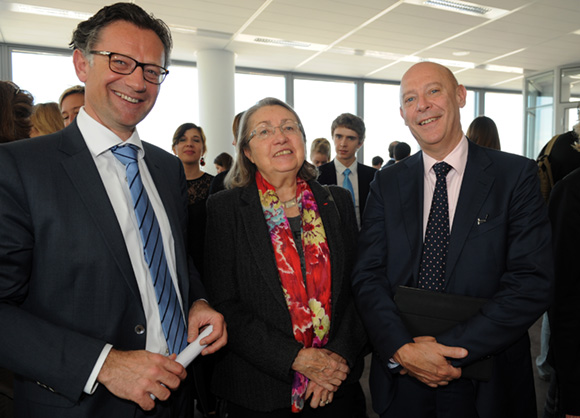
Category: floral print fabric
[309,298]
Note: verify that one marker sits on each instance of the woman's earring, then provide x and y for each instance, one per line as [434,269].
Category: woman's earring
[202,162]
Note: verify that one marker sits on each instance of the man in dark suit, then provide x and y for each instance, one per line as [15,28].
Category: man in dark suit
[80,321]
[498,249]
[348,134]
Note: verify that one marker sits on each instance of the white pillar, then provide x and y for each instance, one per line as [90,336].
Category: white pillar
[216,69]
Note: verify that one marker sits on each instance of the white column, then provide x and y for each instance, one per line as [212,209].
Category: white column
[216,69]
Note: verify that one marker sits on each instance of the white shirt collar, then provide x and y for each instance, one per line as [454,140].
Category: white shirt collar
[341,167]
[457,158]
[100,139]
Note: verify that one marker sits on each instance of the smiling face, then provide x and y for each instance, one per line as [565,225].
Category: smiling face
[346,144]
[430,103]
[281,155]
[117,101]
[189,147]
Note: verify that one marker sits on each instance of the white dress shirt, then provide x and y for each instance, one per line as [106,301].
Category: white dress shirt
[353,176]
[99,140]
[457,159]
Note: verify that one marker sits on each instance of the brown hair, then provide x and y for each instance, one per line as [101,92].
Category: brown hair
[243,171]
[69,92]
[350,121]
[224,159]
[483,131]
[15,111]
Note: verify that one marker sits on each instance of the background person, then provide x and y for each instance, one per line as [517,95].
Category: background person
[281,250]
[402,151]
[223,162]
[217,184]
[70,102]
[45,119]
[15,110]
[348,135]
[320,151]
[377,162]
[483,131]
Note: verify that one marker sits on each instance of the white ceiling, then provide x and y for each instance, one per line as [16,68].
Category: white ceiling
[372,39]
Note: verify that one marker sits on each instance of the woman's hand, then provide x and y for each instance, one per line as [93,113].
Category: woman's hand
[320,396]
[322,366]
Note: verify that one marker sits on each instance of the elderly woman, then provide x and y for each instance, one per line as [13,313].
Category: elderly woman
[278,264]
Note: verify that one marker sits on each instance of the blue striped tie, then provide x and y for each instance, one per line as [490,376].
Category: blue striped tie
[169,310]
[347,184]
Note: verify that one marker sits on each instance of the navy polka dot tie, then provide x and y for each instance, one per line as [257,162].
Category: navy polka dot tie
[432,269]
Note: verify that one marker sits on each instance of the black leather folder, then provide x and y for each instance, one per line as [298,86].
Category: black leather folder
[427,313]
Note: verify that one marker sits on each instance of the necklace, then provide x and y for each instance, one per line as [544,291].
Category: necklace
[289,203]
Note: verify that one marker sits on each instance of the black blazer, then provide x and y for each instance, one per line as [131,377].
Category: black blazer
[254,369]
[66,282]
[564,314]
[365,176]
[499,249]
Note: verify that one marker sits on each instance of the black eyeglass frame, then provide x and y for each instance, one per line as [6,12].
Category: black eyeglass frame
[163,73]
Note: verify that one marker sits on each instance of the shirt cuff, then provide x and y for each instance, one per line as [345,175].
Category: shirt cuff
[92,383]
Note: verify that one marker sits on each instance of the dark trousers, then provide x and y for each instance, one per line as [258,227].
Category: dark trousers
[414,399]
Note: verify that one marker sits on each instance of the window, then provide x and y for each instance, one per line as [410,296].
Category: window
[506,110]
[318,103]
[251,88]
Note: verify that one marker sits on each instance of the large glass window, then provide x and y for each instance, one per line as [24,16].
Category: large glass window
[250,88]
[506,110]
[57,71]
[318,103]
[467,112]
[176,104]
[383,121]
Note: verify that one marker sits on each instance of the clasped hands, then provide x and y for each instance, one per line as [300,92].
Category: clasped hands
[136,375]
[428,361]
[325,371]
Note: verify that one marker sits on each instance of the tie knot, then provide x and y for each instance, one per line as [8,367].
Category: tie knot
[441,169]
[127,154]
[346,172]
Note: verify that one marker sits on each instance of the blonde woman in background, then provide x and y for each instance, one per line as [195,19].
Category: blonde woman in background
[46,119]
[320,151]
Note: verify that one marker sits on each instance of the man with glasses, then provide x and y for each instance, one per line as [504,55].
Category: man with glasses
[97,296]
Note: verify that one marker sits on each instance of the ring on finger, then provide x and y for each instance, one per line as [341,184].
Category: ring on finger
[327,402]
[322,403]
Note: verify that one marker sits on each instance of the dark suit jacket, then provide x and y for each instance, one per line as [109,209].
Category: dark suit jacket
[506,258]
[254,369]
[564,313]
[365,176]
[66,282]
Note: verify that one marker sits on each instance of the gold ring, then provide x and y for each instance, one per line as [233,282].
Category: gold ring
[327,402]
[322,403]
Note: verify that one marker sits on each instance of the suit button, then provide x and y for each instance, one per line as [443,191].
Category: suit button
[139,329]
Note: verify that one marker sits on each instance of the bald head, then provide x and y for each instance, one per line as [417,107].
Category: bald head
[430,102]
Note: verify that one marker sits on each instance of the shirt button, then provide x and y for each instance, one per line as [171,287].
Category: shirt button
[139,329]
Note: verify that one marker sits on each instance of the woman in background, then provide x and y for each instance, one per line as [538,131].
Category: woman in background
[15,110]
[223,162]
[189,144]
[483,132]
[320,151]
[46,119]
[278,265]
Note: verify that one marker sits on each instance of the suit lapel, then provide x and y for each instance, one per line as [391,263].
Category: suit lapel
[410,183]
[262,251]
[474,190]
[83,173]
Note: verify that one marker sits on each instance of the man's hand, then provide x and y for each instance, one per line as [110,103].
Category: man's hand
[202,314]
[426,360]
[136,375]
[318,366]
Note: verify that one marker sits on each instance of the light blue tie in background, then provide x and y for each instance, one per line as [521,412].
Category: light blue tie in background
[172,321]
[348,185]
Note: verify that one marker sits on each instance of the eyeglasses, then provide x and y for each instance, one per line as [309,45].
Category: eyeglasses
[122,64]
[264,131]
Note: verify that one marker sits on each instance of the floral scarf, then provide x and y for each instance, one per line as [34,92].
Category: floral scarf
[309,298]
